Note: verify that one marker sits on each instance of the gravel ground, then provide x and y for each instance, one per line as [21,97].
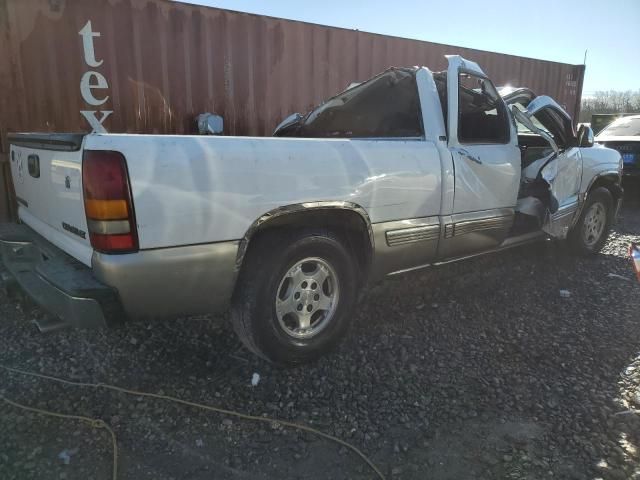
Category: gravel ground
[480,369]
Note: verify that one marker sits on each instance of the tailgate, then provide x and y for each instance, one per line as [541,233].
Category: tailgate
[47,176]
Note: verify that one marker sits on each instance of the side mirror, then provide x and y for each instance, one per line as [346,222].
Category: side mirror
[585,136]
[209,124]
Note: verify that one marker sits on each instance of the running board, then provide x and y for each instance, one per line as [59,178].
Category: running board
[508,243]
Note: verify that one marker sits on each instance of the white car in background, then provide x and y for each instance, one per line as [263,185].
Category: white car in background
[623,135]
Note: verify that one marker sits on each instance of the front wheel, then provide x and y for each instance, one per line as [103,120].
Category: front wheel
[295,295]
[591,231]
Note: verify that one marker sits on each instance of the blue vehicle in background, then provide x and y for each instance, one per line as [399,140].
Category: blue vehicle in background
[623,135]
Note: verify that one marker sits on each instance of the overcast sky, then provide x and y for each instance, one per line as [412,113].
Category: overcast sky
[558,30]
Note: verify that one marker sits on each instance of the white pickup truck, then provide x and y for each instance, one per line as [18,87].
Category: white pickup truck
[409,169]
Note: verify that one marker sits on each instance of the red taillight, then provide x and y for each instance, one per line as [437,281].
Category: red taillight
[107,202]
[104,175]
[113,243]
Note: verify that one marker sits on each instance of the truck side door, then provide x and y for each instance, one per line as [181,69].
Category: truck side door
[483,144]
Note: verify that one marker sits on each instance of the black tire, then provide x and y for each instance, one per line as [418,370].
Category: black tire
[577,238]
[253,310]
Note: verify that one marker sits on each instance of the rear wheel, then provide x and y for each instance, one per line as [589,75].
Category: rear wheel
[307,297]
[295,295]
[591,231]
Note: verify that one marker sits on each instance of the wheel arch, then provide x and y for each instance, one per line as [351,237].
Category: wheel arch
[610,180]
[347,217]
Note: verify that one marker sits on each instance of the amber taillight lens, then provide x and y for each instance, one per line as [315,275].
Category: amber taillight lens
[107,202]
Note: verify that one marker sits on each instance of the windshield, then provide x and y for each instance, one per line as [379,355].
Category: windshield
[623,127]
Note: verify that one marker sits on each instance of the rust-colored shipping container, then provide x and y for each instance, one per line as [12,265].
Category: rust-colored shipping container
[150,66]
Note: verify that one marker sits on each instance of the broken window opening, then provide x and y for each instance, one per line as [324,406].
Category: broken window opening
[482,115]
[386,106]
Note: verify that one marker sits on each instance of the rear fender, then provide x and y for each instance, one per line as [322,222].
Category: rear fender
[290,215]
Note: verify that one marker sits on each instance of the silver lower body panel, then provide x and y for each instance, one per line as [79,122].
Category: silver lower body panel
[170,282]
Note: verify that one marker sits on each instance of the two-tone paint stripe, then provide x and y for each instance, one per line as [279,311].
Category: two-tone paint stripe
[471,226]
[564,212]
[413,234]
[420,233]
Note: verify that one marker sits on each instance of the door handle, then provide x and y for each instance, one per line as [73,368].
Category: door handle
[465,153]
